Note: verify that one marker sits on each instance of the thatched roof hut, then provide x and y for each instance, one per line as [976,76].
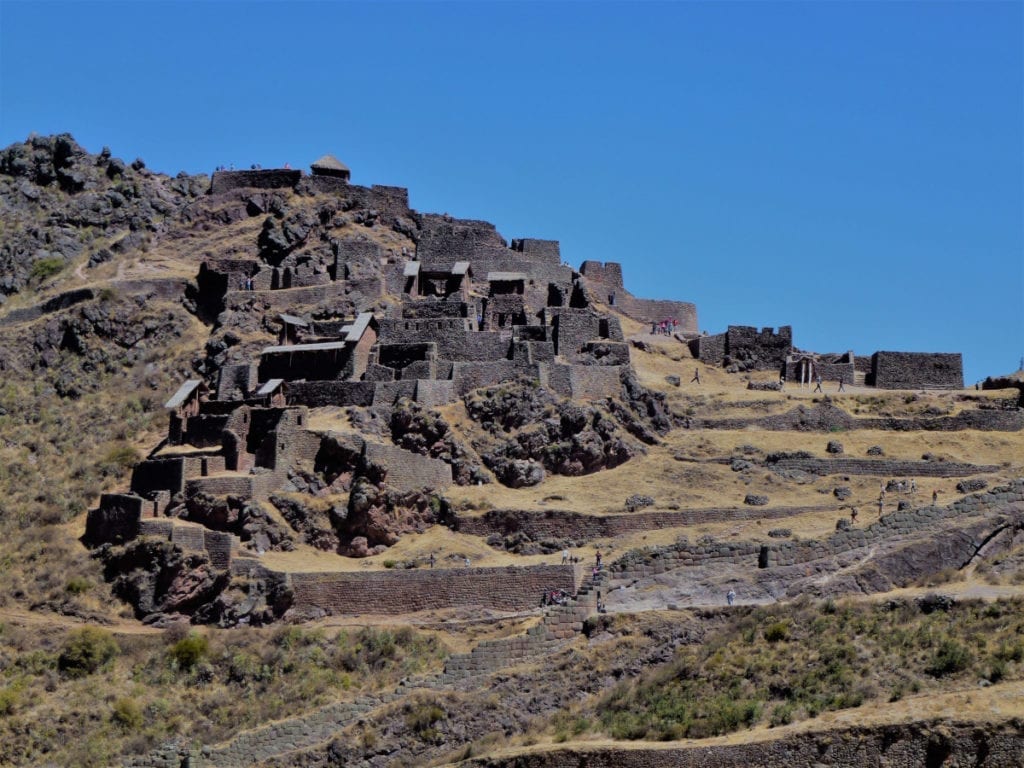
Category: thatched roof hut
[329,165]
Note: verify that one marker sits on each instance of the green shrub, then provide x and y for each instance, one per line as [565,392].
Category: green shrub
[189,651]
[777,631]
[118,460]
[86,650]
[77,585]
[44,269]
[421,717]
[127,714]
[782,714]
[950,657]
[10,697]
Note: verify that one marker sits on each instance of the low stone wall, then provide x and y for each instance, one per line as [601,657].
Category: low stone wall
[60,301]
[223,485]
[563,524]
[432,393]
[904,745]
[1006,498]
[408,591]
[825,417]
[595,382]
[275,178]
[882,467]
[644,563]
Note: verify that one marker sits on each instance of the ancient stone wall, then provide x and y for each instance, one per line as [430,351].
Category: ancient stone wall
[274,178]
[444,240]
[539,250]
[204,430]
[435,393]
[608,274]
[304,363]
[389,392]
[917,370]
[896,523]
[158,474]
[428,309]
[352,250]
[409,471]
[318,394]
[709,349]
[558,524]
[470,376]
[595,382]
[236,381]
[572,328]
[344,297]
[189,537]
[830,371]
[116,519]
[218,545]
[222,485]
[398,592]
[767,348]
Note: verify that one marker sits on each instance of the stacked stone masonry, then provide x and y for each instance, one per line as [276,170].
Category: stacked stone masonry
[399,592]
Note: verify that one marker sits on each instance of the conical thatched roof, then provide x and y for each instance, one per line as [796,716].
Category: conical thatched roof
[329,164]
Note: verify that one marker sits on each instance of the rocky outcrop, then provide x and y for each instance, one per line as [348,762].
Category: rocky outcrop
[90,204]
[425,432]
[157,578]
[547,434]
[242,517]
[380,517]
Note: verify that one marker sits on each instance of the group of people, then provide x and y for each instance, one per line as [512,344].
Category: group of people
[247,284]
[665,327]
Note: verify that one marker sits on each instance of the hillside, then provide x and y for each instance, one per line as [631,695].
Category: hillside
[383,428]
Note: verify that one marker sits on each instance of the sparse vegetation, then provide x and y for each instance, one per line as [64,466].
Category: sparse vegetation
[806,660]
[43,269]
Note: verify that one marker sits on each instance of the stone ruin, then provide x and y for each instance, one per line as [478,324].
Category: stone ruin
[461,311]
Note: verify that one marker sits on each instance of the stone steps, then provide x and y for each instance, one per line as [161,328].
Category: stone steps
[278,740]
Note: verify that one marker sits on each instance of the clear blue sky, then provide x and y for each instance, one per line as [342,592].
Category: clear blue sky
[855,170]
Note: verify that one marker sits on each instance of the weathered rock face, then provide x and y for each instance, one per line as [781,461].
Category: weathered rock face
[241,517]
[381,517]
[546,433]
[316,526]
[156,577]
[428,434]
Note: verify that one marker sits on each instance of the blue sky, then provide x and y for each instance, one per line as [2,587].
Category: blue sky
[855,170]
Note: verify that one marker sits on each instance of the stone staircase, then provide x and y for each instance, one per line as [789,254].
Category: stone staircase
[276,741]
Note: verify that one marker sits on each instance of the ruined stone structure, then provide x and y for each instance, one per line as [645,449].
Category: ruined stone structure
[463,310]
[360,325]
[744,348]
